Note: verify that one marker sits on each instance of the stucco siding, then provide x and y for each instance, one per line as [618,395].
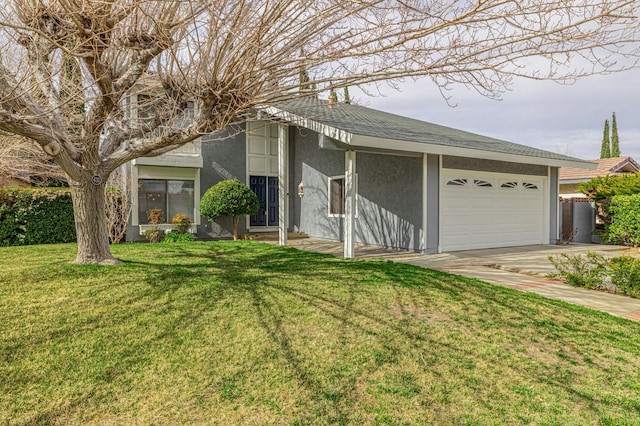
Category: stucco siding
[389,201]
[433,204]
[463,163]
[223,158]
[314,167]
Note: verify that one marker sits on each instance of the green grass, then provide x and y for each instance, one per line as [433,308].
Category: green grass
[246,333]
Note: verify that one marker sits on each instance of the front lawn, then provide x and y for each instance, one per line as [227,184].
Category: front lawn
[246,333]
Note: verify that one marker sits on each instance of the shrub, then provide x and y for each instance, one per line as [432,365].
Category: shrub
[155,218]
[181,222]
[11,231]
[625,222]
[625,274]
[581,271]
[602,189]
[229,198]
[178,237]
[36,216]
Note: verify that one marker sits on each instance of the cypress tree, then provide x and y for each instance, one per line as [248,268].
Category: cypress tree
[305,81]
[347,97]
[605,151]
[333,95]
[615,143]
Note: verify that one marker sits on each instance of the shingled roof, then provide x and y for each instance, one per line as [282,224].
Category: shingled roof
[605,167]
[360,127]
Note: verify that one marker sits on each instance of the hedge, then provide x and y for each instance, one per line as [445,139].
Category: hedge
[625,222]
[36,216]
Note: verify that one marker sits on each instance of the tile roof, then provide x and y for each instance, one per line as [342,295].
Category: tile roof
[368,122]
[606,166]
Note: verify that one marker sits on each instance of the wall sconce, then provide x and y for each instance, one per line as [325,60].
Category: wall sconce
[301,189]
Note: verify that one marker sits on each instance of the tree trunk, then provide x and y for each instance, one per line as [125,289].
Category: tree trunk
[235,227]
[91,223]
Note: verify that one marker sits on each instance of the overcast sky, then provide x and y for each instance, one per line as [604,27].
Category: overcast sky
[547,115]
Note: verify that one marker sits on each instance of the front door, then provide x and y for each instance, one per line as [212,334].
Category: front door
[266,188]
[272,202]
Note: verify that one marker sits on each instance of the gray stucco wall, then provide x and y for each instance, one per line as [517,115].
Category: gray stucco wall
[462,163]
[433,206]
[389,201]
[222,159]
[389,210]
[313,167]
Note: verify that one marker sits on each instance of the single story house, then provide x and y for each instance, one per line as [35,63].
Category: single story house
[349,173]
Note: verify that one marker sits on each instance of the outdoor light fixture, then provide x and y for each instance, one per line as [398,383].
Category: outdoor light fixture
[301,189]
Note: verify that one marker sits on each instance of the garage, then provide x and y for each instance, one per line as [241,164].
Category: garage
[485,210]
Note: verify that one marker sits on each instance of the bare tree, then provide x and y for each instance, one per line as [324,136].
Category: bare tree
[69,67]
[24,160]
[118,204]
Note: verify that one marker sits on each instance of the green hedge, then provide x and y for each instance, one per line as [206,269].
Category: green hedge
[36,216]
[625,221]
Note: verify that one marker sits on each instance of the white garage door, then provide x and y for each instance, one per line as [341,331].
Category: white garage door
[483,210]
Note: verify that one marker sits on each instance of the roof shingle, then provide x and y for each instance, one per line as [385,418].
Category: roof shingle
[363,121]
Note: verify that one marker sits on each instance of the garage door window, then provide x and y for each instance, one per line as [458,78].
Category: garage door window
[509,185]
[527,185]
[482,183]
[457,182]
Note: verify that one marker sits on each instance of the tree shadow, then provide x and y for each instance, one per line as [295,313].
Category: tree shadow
[285,285]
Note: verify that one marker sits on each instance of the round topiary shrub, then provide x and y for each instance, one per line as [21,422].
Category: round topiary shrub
[229,198]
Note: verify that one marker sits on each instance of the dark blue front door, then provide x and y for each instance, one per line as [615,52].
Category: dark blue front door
[272,202]
[266,188]
[258,184]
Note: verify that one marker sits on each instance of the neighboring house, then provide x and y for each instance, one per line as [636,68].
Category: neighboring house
[571,177]
[363,176]
[578,219]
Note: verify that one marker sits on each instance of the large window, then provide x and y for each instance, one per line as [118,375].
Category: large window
[170,196]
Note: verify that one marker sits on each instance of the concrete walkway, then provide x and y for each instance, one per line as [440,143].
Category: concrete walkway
[521,268]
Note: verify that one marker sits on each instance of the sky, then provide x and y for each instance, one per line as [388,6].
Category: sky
[567,119]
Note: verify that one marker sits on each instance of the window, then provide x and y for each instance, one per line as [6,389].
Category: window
[336,196]
[510,185]
[482,183]
[170,196]
[528,185]
[457,182]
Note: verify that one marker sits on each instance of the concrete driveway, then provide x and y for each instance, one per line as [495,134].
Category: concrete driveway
[526,269]
[530,260]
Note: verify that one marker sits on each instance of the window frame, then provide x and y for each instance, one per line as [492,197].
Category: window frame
[167,198]
[329,192]
[152,172]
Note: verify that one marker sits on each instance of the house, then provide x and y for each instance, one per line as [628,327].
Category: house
[354,174]
[578,219]
[571,177]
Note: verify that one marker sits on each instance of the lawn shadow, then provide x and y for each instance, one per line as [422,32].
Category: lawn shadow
[348,299]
